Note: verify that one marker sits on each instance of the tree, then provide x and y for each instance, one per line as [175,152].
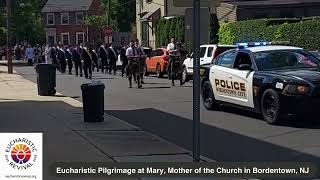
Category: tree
[123,13]
[214,29]
[172,30]
[159,33]
[166,32]
[180,29]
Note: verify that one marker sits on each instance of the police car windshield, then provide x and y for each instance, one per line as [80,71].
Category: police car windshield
[285,59]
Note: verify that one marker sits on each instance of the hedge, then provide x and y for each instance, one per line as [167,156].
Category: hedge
[302,33]
[168,28]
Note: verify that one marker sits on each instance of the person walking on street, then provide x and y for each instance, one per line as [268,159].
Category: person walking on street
[172,49]
[76,57]
[142,60]
[17,52]
[68,54]
[53,56]
[30,55]
[112,59]
[95,59]
[103,53]
[37,54]
[62,59]
[124,58]
[87,62]
[133,64]
[47,52]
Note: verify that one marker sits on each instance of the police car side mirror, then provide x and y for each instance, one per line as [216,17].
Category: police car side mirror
[245,67]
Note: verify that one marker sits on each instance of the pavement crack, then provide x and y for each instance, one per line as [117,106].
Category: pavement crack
[95,146]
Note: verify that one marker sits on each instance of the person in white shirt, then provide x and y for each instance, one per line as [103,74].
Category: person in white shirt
[172,50]
[133,66]
[47,55]
[30,55]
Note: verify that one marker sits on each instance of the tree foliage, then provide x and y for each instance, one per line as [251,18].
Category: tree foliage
[123,13]
[26,21]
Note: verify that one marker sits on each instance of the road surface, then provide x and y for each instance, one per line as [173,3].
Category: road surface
[227,135]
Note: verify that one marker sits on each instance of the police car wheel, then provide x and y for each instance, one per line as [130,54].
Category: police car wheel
[208,96]
[270,106]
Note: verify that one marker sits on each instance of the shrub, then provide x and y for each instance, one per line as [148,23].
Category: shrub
[303,33]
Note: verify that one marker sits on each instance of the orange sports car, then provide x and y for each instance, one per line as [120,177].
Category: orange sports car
[157,62]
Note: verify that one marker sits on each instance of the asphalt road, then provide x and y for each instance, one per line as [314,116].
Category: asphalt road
[226,135]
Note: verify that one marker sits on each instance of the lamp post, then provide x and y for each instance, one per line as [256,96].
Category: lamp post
[196,80]
[9,59]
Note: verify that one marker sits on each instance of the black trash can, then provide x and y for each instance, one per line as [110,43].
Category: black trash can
[46,79]
[93,101]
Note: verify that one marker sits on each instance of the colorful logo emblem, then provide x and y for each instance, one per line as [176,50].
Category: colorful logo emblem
[21,153]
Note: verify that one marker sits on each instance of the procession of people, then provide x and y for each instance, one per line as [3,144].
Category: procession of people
[83,60]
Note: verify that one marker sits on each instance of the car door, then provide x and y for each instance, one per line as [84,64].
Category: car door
[242,80]
[152,61]
[208,57]
[203,53]
[219,76]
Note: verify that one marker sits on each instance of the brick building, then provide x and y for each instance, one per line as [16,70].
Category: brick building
[64,21]
[237,10]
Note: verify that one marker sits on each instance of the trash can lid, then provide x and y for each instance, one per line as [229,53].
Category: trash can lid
[92,84]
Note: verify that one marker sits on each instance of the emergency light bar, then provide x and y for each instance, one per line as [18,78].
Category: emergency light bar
[253,44]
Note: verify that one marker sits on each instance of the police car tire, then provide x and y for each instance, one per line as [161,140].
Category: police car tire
[207,90]
[271,95]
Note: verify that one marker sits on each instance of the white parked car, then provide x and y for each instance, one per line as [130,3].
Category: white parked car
[207,54]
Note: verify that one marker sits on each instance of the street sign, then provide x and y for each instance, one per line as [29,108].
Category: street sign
[107,31]
[189,3]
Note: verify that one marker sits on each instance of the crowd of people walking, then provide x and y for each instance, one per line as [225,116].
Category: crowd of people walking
[83,60]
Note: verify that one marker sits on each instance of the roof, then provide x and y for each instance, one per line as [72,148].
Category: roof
[219,45]
[66,5]
[270,48]
[269,2]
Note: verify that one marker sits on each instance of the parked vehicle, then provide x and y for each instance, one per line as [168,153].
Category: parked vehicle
[207,54]
[157,62]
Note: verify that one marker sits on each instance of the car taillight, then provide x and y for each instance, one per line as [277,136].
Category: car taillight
[166,58]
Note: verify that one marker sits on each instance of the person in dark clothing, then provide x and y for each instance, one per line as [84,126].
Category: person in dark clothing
[87,62]
[142,59]
[95,58]
[53,55]
[61,59]
[124,58]
[112,59]
[76,57]
[68,54]
[103,53]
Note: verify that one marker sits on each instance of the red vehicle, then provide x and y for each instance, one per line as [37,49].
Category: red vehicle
[157,62]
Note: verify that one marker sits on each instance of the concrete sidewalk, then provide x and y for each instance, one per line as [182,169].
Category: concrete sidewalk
[67,138]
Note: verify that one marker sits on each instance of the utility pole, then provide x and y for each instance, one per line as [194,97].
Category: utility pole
[9,59]
[109,16]
[196,80]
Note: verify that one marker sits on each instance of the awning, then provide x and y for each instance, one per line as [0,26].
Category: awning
[147,16]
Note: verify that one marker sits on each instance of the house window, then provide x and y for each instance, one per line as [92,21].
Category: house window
[149,1]
[79,38]
[80,17]
[50,19]
[64,18]
[65,39]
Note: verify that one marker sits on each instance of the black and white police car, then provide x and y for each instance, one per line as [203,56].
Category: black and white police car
[273,80]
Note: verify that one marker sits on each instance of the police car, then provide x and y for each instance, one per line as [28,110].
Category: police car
[273,80]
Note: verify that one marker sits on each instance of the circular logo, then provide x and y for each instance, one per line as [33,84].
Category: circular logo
[21,153]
